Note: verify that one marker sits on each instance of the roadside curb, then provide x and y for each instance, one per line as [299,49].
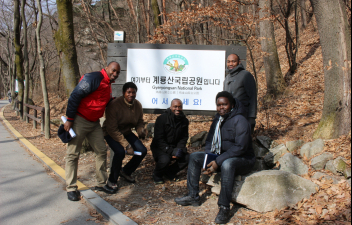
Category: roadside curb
[109,212]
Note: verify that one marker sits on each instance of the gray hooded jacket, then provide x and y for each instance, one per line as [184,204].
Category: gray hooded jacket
[241,84]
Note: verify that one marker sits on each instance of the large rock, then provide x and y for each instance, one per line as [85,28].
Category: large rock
[198,137]
[312,148]
[319,162]
[340,164]
[260,165]
[292,164]
[273,189]
[259,151]
[204,139]
[347,173]
[294,145]
[265,141]
[274,155]
[150,130]
[330,167]
[323,176]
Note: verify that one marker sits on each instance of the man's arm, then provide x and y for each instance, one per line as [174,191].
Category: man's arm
[140,124]
[160,136]
[112,127]
[183,141]
[251,90]
[243,136]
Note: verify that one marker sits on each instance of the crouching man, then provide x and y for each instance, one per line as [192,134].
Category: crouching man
[229,139]
[169,143]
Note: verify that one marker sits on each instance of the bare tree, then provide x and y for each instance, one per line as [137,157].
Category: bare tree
[25,56]
[274,79]
[65,45]
[335,38]
[42,72]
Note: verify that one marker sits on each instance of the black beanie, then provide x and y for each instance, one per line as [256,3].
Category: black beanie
[64,135]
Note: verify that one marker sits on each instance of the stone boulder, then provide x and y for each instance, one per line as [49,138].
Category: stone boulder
[273,189]
[347,173]
[274,155]
[196,140]
[319,175]
[150,130]
[265,141]
[312,148]
[330,167]
[293,164]
[294,145]
[340,164]
[319,162]
[259,151]
[260,165]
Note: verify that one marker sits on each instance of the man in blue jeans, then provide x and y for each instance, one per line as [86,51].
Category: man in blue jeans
[230,139]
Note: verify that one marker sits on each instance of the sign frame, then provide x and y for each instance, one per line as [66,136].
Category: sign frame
[118,52]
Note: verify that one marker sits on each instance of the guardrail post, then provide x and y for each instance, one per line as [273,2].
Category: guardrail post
[26,115]
[43,119]
[34,121]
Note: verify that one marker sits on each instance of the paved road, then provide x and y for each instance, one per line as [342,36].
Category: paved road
[28,195]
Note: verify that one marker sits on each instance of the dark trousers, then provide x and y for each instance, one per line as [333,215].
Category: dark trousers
[229,168]
[163,161]
[119,155]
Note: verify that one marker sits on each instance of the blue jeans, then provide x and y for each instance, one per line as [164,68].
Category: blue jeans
[119,155]
[229,168]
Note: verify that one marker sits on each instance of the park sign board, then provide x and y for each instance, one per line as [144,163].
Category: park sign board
[163,72]
[161,75]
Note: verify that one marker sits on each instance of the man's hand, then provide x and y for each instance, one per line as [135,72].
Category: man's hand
[212,168]
[68,125]
[142,134]
[129,150]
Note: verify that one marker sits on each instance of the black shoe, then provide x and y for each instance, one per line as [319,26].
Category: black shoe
[172,178]
[188,200]
[127,177]
[106,189]
[223,216]
[73,195]
[157,179]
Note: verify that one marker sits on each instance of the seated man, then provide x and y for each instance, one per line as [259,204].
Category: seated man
[122,115]
[229,138]
[169,143]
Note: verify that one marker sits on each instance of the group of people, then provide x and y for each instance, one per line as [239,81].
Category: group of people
[229,136]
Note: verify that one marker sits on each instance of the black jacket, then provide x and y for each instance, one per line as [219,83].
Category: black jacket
[236,138]
[170,133]
[241,84]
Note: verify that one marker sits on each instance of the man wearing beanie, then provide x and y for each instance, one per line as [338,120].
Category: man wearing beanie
[169,143]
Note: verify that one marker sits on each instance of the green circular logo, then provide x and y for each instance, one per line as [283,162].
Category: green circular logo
[176,64]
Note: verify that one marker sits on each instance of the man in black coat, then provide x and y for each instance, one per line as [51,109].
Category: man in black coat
[169,143]
[229,138]
[241,84]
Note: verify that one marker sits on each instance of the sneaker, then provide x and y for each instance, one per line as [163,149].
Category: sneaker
[112,185]
[157,179]
[188,200]
[223,216]
[127,177]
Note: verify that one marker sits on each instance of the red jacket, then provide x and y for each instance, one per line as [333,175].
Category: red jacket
[90,96]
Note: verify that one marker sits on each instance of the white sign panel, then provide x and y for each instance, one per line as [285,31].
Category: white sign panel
[194,76]
[118,36]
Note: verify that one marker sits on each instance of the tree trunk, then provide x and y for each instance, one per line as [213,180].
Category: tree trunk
[274,80]
[42,73]
[18,54]
[65,45]
[156,12]
[335,39]
[25,54]
[303,14]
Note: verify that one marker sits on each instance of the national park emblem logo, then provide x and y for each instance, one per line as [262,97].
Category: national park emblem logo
[176,64]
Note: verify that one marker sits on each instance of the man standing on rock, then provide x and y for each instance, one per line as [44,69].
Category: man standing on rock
[85,106]
[241,84]
[169,143]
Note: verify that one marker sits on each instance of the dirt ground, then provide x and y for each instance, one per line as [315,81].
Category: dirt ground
[291,117]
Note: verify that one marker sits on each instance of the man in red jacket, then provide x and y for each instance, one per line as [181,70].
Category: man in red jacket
[85,106]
